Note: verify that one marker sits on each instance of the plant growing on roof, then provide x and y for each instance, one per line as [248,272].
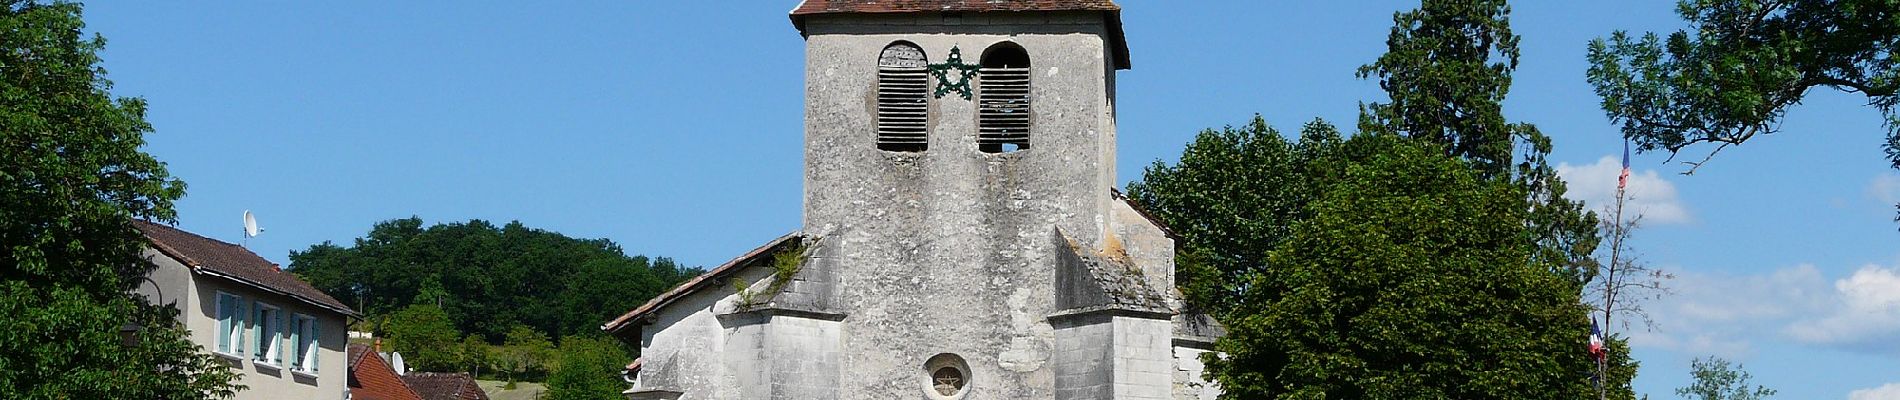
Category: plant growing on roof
[786,263]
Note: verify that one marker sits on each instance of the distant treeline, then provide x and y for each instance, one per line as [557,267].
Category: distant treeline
[488,278]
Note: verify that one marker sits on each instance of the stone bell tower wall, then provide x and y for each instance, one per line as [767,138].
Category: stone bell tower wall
[947,250]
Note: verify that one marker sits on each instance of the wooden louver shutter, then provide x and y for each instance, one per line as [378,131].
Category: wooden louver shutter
[316,346]
[902,92]
[227,317]
[1003,109]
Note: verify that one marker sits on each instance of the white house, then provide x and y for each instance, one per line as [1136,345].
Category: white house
[285,337]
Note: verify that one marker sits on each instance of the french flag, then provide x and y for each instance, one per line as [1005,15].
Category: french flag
[1596,341]
[1624,179]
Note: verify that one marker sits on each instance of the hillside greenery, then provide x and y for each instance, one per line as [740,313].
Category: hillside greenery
[480,298]
[487,279]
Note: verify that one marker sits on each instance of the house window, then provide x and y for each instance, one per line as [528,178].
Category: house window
[230,323]
[1002,116]
[303,343]
[269,326]
[902,88]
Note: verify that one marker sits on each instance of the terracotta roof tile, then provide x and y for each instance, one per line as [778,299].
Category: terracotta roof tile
[234,262]
[697,283]
[1111,13]
[371,378]
[445,386]
[809,7]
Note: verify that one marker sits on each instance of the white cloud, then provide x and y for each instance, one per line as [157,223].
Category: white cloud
[1648,193]
[1721,315]
[1889,391]
[1885,188]
[1865,312]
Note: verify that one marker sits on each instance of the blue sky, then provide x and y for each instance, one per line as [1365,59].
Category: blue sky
[674,129]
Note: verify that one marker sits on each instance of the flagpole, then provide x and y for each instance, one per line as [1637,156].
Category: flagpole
[1616,252]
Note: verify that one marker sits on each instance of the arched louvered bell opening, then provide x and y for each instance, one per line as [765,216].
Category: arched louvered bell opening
[902,90]
[1002,118]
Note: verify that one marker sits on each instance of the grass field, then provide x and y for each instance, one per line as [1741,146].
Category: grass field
[523,390]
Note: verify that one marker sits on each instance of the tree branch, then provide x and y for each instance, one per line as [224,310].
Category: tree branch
[1698,164]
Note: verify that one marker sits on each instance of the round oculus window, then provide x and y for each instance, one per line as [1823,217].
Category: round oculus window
[946,377]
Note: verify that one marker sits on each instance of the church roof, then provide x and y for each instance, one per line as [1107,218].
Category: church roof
[1111,13]
[808,7]
[214,257]
[702,281]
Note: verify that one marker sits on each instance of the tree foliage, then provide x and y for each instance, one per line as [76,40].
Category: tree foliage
[587,368]
[474,355]
[1406,281]
[1619,370]
[1432,255]
[1715,379]
[526,354]
[1446,72]
[426,338]
[1231,198]
[72,178]
[1742,64]
[488,278]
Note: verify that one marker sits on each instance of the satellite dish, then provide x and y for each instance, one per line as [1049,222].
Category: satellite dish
[395,361]
[250,225]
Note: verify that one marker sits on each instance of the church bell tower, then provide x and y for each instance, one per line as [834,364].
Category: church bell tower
[962,237]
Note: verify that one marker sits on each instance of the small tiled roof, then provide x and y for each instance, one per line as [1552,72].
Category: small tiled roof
[445,386]
[371,378]
[233,262]
[1163,226]
[693,285]
[1111,12]
[809,7]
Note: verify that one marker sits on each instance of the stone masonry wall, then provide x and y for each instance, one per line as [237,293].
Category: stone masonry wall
[1144,358]
[946,251]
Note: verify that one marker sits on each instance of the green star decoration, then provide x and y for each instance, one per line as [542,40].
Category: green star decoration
[964,71]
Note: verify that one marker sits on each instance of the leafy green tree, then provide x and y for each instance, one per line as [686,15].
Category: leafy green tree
[1741,65]
[587,368]
[426,338]
[1232,197]
[1619,370]
[72,178]
[526,353]
[1446,72]
[1406,281]
[1716,380]
[475,355]
[488,278]
[1433,255]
